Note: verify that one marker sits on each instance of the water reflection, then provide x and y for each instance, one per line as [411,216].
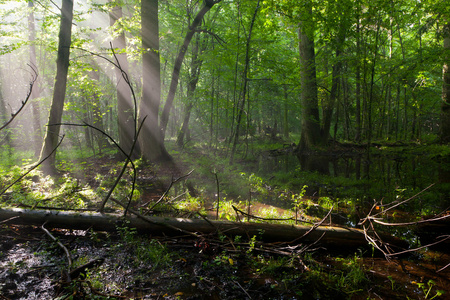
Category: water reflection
[376,177]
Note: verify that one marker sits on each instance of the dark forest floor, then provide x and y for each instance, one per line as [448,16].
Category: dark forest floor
[128,265]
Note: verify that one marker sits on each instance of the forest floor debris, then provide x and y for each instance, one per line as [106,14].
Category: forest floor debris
[139,266]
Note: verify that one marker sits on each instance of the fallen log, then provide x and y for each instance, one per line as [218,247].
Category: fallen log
[336,237]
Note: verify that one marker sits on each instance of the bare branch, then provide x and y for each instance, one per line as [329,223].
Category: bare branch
[32,168]
[69,257]
[168,189]
[24,102]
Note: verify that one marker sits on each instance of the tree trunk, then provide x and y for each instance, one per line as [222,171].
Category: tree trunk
[5,137]
[329,107]
[285,112]
[97,116]
[179,61]
[445,106]
[335,82]
[310,126]
[125,108]
[371,91]
[241,103]
[332,236]
[35,93]
[194,75]
[151,138]
[59,92]
[3,111]
[185,126]
[358,84]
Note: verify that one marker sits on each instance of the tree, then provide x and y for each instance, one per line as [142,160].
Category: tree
[310,127]
[125,108]
[208,4]
[445,106]
[59,92]
[35,92]
[241,104]
[151,139]
[194,75]
[97,116]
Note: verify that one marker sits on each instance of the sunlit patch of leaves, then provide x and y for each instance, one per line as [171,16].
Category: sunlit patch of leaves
[189,203]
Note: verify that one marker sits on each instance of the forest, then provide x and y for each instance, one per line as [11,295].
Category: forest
[224,149]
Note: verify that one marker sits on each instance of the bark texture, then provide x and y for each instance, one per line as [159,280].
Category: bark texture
[194,75]
[310,126]
[332,236]
[125,107]
[151,139]
[445,107]
[35,93]
[242,101]
[59,91]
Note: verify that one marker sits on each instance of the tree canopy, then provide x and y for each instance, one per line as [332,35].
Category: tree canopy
[377,69]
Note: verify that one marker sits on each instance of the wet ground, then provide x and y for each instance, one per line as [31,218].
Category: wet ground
[125,265]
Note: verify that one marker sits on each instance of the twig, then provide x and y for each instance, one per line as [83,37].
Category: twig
[32,168]
[403,202]
[378,243]
[418,248]
[7,220]
[214,35]
[168,189]
[239,285]
[141,216]
[317,224]
[24,102]
[128,159]
[443,268]
[136,133]
[409,223]
[69,258]
[237,210]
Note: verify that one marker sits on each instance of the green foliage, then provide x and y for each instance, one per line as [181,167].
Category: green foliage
[427,289]
[142,250]
[192,204]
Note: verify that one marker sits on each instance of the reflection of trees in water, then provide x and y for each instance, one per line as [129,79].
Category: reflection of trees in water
[380,176]
[315,163]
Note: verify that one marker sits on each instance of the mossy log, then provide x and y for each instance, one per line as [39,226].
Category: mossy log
[335,237]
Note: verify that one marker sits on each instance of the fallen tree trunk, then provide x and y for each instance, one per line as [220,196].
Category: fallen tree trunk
[330,236]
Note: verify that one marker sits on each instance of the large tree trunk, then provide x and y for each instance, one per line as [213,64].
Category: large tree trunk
[179,61]
[125,107]
[151,138]
[59,92]
[344,238]
[310,127]
[445,107]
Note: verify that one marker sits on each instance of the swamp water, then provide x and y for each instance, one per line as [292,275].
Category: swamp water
[353,183]
[365,179]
